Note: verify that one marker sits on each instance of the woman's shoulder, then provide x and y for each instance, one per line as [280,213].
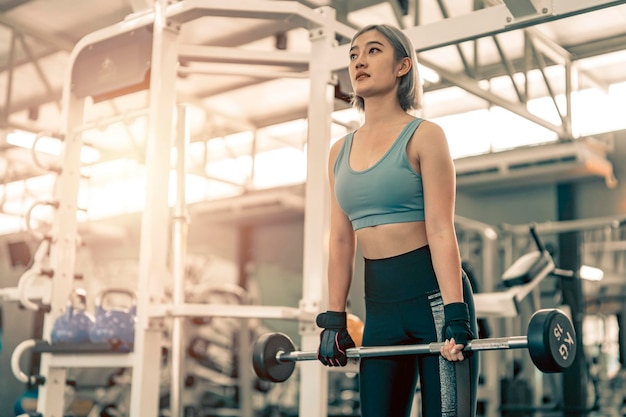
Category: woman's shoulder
[429,127]
[336,147]
[428,137]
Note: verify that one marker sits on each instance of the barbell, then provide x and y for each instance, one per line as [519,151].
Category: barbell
[550,340]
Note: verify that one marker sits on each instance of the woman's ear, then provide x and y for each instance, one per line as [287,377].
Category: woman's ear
[404,67]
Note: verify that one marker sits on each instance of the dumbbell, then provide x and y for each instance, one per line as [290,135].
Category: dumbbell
[550,340]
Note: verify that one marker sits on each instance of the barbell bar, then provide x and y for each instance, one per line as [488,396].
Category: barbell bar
[550,340]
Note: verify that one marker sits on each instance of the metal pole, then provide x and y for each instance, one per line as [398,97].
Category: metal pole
[179,251]
[314,379]
[156,216]
[574,378]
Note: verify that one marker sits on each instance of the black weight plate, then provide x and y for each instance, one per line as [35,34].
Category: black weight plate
[264,361]
[551,340]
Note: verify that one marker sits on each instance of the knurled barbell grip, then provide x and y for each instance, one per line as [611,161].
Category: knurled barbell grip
[496,343]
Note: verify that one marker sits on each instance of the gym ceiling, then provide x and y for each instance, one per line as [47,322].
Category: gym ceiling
[37,37]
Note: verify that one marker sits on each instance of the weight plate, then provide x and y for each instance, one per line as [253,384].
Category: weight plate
[551,340]
[264,361]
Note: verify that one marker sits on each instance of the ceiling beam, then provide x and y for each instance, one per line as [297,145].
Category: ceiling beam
[481,23]
[43,37]
[471,86]
[596,47]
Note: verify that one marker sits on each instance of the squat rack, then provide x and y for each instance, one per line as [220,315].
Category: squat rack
[149,46]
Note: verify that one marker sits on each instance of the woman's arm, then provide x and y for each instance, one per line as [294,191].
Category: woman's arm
[439,181]
[341,244]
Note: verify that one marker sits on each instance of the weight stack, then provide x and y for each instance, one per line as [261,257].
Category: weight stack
[515,398]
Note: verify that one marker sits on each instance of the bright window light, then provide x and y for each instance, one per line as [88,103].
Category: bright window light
[462,141]
[116,197]
[25,140]
[428,74]
[199,188]
[232,170]
[590,273]
[227,146]
[496,129]
[509,130]
[287,131]
[10,224]
[279,167]
[597,112]
[49,145]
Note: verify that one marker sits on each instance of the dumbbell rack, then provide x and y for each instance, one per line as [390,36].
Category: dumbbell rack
[157,32]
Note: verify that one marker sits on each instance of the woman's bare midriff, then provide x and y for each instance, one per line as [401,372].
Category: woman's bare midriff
[389,240]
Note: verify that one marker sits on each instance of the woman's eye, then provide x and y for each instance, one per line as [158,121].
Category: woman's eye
[373,50]
[352,57]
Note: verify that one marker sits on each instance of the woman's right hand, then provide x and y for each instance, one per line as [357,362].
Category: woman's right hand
[334,339]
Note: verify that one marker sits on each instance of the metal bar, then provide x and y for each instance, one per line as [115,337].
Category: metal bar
[225,55]
[230,310]
[10,72]
[126,116]
[63,250]
[244,71]
[153,250]
[179,252]
[314,380]
[471,86]
[47,38]
[444,11]
[521,8]
[541,63]
[564,226]
[497,343]
[188,10]
[510,69]
[95,360]
[479,24]
[38,69]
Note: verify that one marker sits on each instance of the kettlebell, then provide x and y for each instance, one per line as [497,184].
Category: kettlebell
[114,326]
[74,325]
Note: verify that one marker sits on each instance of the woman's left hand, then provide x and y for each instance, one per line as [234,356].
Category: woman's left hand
[452,351]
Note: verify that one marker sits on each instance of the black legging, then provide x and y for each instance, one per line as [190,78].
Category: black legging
[404,306]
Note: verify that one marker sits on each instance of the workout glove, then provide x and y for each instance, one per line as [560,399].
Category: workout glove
[457,324]
[334,339]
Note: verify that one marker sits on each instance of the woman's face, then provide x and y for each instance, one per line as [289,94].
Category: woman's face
[373,68]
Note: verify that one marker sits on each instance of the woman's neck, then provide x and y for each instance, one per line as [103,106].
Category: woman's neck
[382,111]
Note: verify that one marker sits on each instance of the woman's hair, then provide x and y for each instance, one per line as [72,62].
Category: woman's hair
[410,88]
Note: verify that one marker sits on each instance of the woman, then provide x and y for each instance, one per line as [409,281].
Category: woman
[393,190]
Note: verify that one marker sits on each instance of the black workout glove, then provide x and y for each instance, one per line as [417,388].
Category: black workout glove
[457,324]
[334,339]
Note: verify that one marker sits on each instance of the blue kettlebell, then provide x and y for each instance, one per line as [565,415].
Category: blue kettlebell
[114,326]
[74,325]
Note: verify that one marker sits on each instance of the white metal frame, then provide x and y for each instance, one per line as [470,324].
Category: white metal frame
[165,20]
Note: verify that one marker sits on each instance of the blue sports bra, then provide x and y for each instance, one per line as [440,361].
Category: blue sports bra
[390,191]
